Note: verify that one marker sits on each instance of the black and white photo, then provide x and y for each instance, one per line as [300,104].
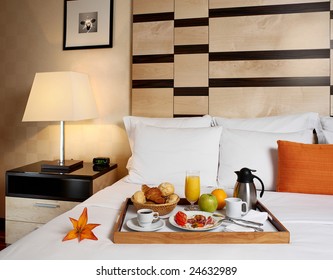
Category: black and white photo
[88,24]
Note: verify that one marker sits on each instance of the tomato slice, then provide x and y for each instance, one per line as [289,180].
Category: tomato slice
[181,218]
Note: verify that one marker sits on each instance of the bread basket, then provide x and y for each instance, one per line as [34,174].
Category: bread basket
[162,209]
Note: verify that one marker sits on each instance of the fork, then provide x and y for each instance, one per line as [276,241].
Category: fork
[239,220]
[239,224]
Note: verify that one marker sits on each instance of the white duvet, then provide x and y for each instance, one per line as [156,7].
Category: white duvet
[309,219]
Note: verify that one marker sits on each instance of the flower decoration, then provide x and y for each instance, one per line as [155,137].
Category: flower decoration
[81,229]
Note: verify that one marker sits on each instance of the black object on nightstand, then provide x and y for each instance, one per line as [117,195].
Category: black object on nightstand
[100,163]
[105,161]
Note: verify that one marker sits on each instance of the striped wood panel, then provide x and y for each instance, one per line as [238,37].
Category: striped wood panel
[331,53]
[155,71]
[152,6]
[231,58]
[193,35]
[153,102]
[259,101]
[153,38]
[213,4]
[191,70]
[269,32]
[190,105]
[191,9]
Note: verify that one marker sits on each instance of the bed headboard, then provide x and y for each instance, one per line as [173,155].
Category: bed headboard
[245,58]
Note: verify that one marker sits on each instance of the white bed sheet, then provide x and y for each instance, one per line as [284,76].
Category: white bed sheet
[309,218]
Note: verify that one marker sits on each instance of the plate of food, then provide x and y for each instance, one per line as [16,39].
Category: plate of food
[195,220]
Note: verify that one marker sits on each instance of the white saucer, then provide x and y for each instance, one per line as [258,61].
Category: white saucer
[133,224]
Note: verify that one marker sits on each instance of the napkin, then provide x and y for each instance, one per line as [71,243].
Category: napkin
[256,216]
[252,215]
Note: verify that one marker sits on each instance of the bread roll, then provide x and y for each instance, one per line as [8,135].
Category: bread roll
[172,198]
[166,188]
[139,197]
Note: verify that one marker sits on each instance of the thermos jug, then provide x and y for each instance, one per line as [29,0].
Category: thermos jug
[245,188]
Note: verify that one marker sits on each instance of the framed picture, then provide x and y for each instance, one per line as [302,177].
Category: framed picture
[88,24]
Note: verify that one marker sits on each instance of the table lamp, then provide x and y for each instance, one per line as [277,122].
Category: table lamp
[60,96]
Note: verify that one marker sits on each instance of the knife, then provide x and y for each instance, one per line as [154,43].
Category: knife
[240,220]
[247,222]
[247,226]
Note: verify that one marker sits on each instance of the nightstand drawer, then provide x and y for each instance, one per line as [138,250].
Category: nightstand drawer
[16,230]
[35,210]
[58,188]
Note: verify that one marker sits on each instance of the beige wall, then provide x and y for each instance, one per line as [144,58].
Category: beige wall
[31,41]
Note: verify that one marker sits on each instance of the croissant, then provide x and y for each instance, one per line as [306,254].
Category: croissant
[145,188]
[155,195]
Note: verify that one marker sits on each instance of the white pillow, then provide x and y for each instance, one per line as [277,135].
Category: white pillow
[255,150]
[283,123]
[164,154]
[327,125]
[328,136]
[131,122]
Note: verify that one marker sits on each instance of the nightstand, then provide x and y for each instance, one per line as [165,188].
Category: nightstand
[33,197]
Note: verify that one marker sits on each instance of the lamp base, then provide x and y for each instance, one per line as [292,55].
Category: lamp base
[66,167]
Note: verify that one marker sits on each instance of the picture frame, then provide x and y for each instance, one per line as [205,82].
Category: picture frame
[88,24]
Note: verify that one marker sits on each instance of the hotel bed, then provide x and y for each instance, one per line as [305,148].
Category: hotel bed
[275,62]
[298,190]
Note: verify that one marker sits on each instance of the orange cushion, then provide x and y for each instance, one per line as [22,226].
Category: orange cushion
[305,168]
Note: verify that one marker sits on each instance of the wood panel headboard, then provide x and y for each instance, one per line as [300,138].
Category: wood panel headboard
[245,58]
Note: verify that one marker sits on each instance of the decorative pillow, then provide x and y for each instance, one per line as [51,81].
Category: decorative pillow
[255,150]
[283,123]
[164,154]
[305,168]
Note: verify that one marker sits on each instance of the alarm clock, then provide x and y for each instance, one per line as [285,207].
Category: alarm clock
[101,161]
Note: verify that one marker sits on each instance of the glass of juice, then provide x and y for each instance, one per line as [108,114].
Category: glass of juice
[192,188]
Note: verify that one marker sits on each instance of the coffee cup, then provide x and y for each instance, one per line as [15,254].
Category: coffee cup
[146,217]
[235,207]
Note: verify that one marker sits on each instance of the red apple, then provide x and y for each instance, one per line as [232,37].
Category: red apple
[208,202]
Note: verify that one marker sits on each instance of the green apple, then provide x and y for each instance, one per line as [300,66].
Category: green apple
[208,202]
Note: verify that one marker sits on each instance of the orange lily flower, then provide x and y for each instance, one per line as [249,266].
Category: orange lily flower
[81,230]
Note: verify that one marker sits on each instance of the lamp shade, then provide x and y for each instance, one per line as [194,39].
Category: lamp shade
[60,96]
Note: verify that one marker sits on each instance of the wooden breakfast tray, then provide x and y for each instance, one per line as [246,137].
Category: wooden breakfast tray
[277,233]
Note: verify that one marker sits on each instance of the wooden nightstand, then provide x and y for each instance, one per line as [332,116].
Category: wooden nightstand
[34,197]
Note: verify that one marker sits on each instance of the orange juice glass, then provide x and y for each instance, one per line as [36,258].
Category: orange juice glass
[192,188]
